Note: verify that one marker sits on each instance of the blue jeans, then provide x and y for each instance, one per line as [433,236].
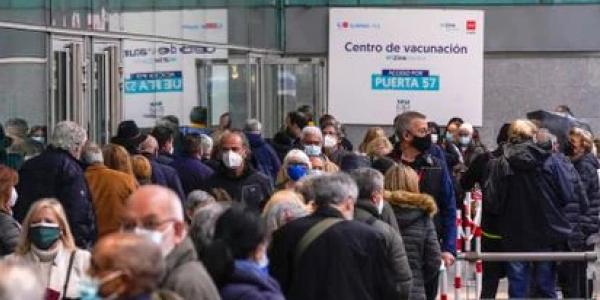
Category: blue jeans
[531,279]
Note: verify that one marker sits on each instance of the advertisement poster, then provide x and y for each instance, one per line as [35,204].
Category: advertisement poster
[161,78]
[386,61]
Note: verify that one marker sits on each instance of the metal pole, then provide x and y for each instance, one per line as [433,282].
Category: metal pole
[529,256]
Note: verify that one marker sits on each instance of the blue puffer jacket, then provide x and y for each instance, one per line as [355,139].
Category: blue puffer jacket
[57,174]
[587,167]
[166,176]
[249,282]
[263,158]
[192,172]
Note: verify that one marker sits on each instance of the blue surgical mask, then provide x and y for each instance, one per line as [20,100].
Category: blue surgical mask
[296,171]
[464,140]
[312,150]
[89,288]
[449,137]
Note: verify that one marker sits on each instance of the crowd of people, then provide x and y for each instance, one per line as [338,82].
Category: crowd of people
[192,212]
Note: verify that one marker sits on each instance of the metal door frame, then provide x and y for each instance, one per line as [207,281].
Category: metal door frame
[113,106]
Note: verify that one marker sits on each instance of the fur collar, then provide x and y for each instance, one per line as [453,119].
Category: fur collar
[413,200]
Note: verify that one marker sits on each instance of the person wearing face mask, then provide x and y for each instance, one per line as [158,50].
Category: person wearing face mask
[9,227]
[312,144]
[435,180]
[155,212]
[332,142]
[414,212]
[450,141]
[47,244]
[57,173]
[237,259]
[236,175]
[368,209]
[125,266]
[263,157]
[325,255]
[295,166]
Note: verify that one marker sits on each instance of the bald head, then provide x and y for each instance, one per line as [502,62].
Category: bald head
[136,258]
[157,209]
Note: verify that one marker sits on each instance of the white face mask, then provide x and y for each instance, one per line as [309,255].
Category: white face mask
[434,138]
[329,141]
[312,150]
[39,139]
[157,237]
[380,206]
[232,160]
[13,198]
[464,140]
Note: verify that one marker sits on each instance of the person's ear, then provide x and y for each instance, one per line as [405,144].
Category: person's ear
[179,229]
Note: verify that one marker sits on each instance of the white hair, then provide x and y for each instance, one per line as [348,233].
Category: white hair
[18,281]
[466,127]
[206,144]
[69,136]
[198,198]
[282,212]
[296,156]
[312,130]
[253,126]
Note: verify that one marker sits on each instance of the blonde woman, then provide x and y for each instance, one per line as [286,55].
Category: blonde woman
[117,158]
[47,244]
[372,133]
[379,147]
[414,213]
[142,169]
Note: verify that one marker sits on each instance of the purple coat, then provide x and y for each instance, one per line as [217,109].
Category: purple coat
[248,282]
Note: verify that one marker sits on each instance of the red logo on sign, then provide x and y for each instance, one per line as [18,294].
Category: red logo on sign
[345,24]
[471,25]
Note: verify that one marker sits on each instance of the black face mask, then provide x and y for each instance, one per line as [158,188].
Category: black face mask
[569,149]
[421,143]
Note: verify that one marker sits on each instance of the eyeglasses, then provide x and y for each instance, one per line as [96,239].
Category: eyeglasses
[149,224]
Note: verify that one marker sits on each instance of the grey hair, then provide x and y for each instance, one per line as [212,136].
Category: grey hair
[296,156]
[204,220]
[283,212]
[368,181]
[17,126]
[334,189]
[92,154]
[403,121]
[544,135]
[312,130]
[198,199]
[467,127]
[68,135]
[253,126]
[206,144]
[28,287]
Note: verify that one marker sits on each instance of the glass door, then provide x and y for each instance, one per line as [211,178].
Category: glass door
[106,111]
[67,80]
[289,84]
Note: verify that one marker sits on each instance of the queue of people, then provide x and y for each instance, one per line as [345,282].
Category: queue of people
[192,213]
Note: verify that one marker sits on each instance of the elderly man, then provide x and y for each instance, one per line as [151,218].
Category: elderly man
[312,143]
[127,266]
[236,175]
[156,212]
[109,188]
[56,173]
[368,209]
[161,174]
[263,156]
[327,256]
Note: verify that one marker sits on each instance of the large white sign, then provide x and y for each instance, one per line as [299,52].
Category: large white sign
[161,78]
[386,61]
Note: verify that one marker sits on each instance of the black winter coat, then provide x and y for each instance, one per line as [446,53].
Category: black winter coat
[9,234]
[414,213]
[283,142]
[537,193]
[166,176]
[347,261]
[366,212]
[57,174]
[587,167]
[252,189]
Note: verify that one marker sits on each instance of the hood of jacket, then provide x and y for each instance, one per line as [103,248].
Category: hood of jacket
[417,201]
[525,156]
[255,139]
